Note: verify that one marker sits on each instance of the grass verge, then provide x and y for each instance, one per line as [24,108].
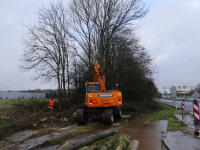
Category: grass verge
[5,103]
[165,113]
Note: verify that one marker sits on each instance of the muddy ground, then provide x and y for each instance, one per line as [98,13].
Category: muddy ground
[13,120]
[32,139]
[48,130]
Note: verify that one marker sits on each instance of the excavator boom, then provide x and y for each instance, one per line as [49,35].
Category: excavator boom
[98,75]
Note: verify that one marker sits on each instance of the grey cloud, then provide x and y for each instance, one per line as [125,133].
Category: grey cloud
[171,33]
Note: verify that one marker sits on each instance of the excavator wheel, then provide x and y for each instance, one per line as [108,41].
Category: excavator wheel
[119,115]
[81,116]
[108,116]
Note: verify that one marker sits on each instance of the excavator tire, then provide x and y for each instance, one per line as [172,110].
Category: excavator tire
[81,116]
[119,115]
[108,116]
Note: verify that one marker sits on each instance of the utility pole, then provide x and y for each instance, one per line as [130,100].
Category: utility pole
[163,91]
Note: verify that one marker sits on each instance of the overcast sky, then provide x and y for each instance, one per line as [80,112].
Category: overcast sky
[170,32]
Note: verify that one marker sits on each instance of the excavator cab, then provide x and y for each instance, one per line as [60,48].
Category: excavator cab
[92,87]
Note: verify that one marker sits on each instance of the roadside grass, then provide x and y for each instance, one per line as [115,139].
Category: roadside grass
[5,103]
[165,113]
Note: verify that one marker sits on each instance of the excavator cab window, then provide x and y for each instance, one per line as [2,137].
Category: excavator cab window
[92,88]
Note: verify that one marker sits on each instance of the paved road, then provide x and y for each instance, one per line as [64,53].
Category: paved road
[188,105]
[188,98]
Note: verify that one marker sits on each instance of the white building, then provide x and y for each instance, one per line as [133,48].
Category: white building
[21,95]
[173,91]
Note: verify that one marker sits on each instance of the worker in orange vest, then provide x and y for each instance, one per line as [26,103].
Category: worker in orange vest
[51,103]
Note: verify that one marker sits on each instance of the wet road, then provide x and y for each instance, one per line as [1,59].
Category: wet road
[188,105]
[188,98]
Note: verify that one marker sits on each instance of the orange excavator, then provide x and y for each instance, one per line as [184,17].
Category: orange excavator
[99,102]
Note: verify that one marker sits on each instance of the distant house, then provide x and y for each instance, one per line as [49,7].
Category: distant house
[173,92]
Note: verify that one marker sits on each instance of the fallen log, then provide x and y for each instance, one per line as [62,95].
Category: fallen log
[84,148]
[92,147]
[108,145]
[133,145]
[73,145]
[122,143]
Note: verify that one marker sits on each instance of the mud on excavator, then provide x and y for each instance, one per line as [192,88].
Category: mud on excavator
[99,102]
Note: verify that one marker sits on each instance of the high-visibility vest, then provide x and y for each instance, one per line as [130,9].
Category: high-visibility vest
[51,103]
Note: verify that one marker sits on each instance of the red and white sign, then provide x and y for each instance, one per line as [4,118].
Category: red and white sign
[196,111]
[183,104]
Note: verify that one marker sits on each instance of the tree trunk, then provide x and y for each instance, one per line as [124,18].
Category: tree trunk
[133,145]
[92,147]
[84,148]
[70,145]
[61,88]
[122,143]
[64,90]
[59,93]
[68,81]
[108,145]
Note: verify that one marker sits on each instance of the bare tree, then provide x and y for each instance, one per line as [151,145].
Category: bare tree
[105,29]
[97,28]
[46,46]
[94,23]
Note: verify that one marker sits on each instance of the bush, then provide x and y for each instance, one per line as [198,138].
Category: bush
[140,106]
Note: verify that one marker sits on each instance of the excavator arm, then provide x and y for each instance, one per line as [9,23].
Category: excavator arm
[99,76]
